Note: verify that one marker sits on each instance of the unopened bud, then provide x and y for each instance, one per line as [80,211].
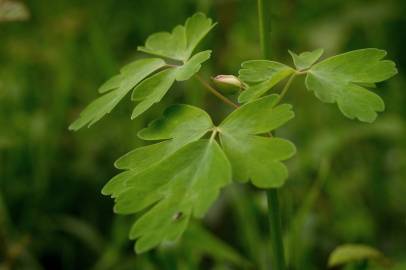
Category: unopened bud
[228,84]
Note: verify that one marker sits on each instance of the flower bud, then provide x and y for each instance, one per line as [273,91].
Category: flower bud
[228,84]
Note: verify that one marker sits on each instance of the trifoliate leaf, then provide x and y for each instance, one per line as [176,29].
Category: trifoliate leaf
[118,86]
[341,79]
[180,125]
[179,44]
[185,184]
[252,156]
[192,66]
[306,59]
[349,253]
[261,76]
[152,90]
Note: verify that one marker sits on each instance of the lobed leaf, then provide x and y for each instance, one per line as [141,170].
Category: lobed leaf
[342,79]
[258,117]
[306,59]
[170,45]
[178,121]
[260,76]
[180,125]
[152,90]
[177,45]
[180,43]
[118,86]
[197,27]
[181,186]
[192,66]
[252,156]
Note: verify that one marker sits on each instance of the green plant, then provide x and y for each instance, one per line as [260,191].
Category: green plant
[180,176]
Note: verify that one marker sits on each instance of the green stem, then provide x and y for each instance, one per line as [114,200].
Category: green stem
[274,215]
[286,87]
[264,16]
[208,87]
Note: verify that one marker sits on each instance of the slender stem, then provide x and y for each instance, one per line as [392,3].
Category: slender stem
[286,87]
[274,215]
[213,134]
[216,93]
[264,16]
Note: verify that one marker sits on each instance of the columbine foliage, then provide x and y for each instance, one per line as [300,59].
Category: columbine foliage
[306,59]
[252,156]
[260,76]
[185,167]
[342,78]
[181,175]
[178,45]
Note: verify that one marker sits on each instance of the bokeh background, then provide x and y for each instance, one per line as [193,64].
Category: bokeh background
[347,183]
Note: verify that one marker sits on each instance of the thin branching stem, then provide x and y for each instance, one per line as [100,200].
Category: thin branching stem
[208,87]
[213,134]
[288,84]
[286,87]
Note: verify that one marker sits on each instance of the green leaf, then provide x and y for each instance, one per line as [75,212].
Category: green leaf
[341,79]
[260,76]
[192,66]
[178,121]
[117,185]
[118,86]
[306,59]
[152,90]
[175,179]
[169,45]
[111,84]
[180,125]
[349,253]
[185,184]
[252,156]
[258,117]
[179,44]
[197,27]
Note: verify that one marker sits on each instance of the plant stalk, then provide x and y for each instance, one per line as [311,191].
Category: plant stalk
[208,87]
[274,215]
[264,16]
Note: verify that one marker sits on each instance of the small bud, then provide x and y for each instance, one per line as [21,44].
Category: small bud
[228,84]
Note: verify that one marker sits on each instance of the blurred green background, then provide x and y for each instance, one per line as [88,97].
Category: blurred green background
[347,183]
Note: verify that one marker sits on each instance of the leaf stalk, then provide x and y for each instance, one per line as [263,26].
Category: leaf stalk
[208,87]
